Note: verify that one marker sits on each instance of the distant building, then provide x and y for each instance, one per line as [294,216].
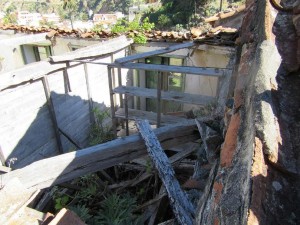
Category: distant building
[107,18]
[28,19]
[34,19]
[51,18]
[2,14]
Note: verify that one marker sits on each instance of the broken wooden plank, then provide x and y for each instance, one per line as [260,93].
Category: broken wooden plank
[66,217]
[181,155]
[102,48]
[185,146]
[182,207]
[168,222]
[27,216]
[165,95]
[154,53]
[154,208]
[151,116]
[13,197]
[132,182]
[65,167]
[213,72]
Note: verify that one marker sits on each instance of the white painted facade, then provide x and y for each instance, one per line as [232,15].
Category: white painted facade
[202,56]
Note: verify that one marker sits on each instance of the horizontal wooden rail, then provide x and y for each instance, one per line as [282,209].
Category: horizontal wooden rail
[215,72]
[154,53]
[165,95]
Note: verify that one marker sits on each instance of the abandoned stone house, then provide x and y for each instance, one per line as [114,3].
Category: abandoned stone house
[49,89]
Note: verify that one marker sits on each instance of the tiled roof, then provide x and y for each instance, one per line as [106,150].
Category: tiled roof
[224,15]
[218,35]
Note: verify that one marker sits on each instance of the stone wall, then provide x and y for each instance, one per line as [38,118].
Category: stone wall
[256,180]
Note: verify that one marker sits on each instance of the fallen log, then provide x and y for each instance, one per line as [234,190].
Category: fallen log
[182,207]
[59,169]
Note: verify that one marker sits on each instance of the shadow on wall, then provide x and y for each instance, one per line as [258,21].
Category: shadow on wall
[39,141]
[276,186]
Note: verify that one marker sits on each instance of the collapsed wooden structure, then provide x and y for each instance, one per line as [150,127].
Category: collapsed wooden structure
[65,167]
[246,185]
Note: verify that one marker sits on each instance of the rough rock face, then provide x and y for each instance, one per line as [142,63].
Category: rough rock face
[257,180]
[287,35]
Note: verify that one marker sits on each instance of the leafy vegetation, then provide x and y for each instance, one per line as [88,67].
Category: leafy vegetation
[94,205]
[172,14]
[100,132]
[118,210]
[123,26]
[10,15]
[188,13]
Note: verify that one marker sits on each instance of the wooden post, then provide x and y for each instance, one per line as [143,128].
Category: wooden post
[66,78]
[159,85]
[221,5]
[126,115]
[120,84]
[92,119]
[52,114]
[112,104]
[113,74]
[121,96]
[182,207]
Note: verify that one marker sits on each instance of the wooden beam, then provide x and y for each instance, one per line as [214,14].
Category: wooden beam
[59,169]
[102,48]
[158,107]
[112,103]
[89,93]
[52,114]
[13,197]
[182,207]
[154,53]
[165,95]
[214,72]
[151,116]
[28,73]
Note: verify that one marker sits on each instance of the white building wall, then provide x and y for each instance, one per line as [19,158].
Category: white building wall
[11,54]
[203,56]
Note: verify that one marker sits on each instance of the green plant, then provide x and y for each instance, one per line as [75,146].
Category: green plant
[82,211]
[61,202]
[46,23]
[148,166]
[134,25]
[118,210]
[97,28]
[179,27]
[123,26]
[89,189]
[164,21]
[100,132]
[10,16]
[140,39]
[60,198]
[206,110]
[146,25]
[120,26]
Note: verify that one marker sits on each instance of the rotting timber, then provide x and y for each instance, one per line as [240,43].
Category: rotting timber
[66,167]
[255,177]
